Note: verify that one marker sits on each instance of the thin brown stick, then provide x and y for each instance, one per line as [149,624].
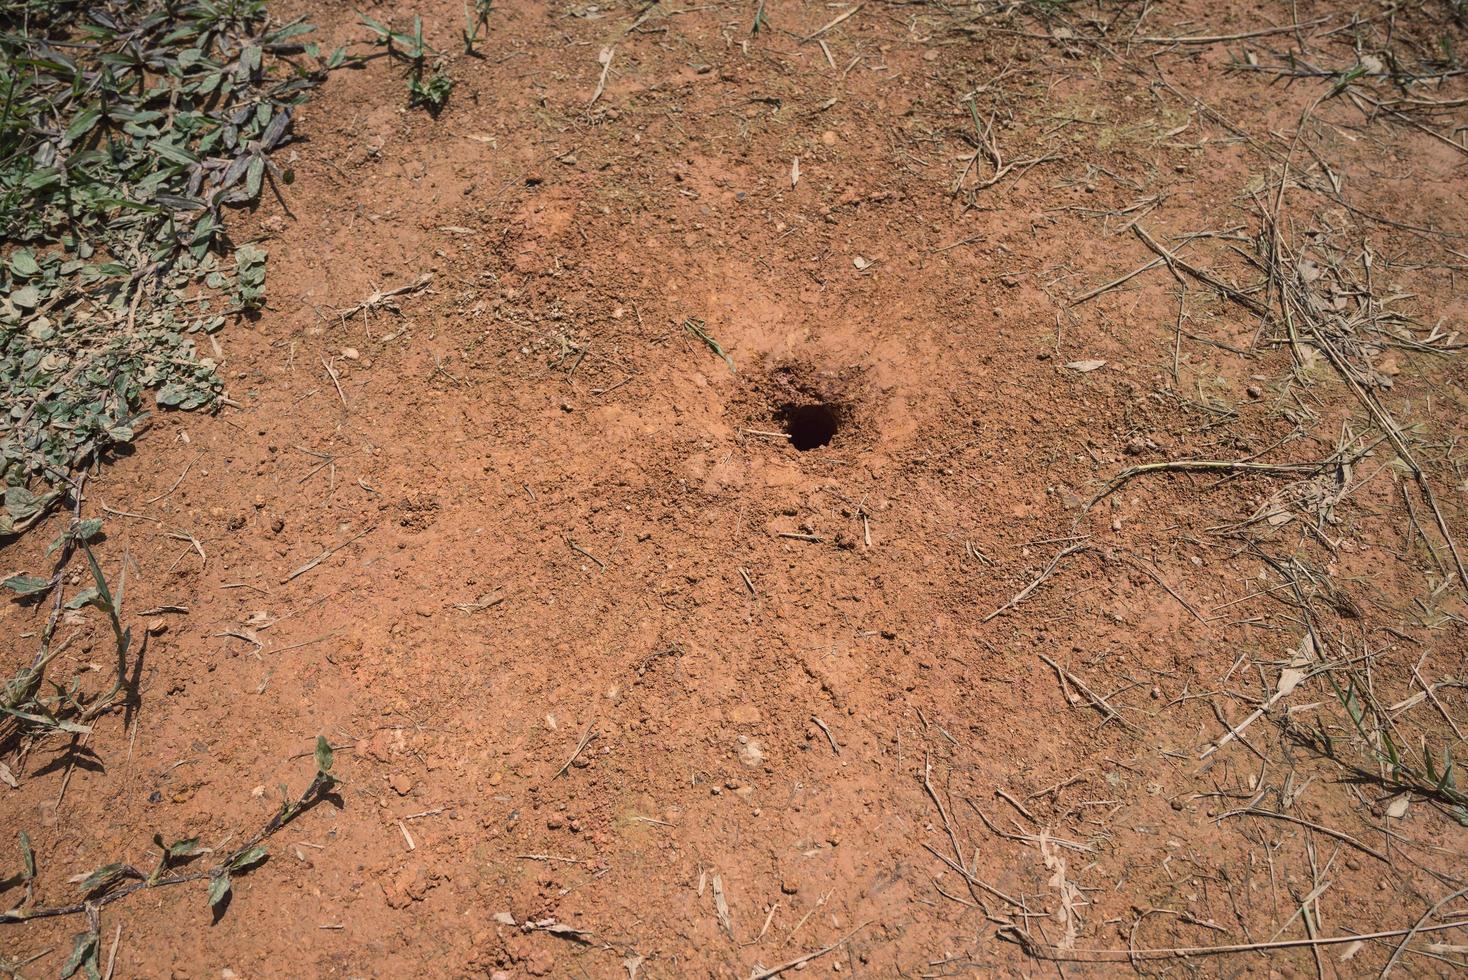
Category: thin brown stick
[829,737]
[580,747]
[582,551]
[154,500]
[1156,576]
[775,971]
[1203,466]
[1085,297]
[1416,928]
[835,22]
[1097,702]
[1224,38]
[1339,835]
[1202,275]
[1049,952]
[326,554]
[1024,593]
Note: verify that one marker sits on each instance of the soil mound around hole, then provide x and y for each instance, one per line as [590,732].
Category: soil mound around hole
[812,407]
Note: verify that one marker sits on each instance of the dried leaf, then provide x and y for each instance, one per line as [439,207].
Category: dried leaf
[1289,679]
[1070,897]
[721,905]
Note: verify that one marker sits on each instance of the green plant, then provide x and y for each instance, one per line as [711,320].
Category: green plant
[127,132]
[26,705]
[476,20]
[1429,772]
[697,328]
[427,88]
[432,94]
[114,882]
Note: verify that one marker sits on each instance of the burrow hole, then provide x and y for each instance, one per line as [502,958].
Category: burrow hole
[809,426]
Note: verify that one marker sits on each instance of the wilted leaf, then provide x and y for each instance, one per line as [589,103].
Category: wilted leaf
[83,951]
[20,503]
[100,878]
[60,724]
[254,176]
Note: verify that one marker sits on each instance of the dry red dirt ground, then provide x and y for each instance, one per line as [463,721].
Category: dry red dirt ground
[623,683]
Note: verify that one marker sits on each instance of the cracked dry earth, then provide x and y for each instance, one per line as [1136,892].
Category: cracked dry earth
[643,661]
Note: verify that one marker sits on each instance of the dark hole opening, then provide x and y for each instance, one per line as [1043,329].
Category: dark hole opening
[809,426]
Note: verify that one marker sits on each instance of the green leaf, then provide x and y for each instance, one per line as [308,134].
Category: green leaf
[374,26]
[188,847]
[248,859]
[26,584]
[27,855]
[57,723]
[323,754]
[108,168]
[176,154]
[255,176]
[86,597]
[20,503]
[82,124]
[23,263]
[102,581]
[101,878]
[218,889]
